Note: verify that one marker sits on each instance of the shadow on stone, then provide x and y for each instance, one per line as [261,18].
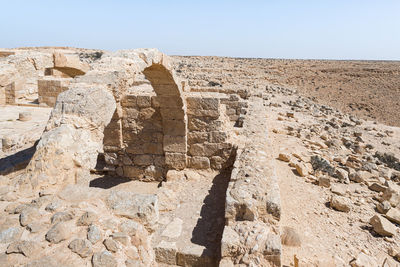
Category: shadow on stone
[209,228]
[17,161]
[108,181]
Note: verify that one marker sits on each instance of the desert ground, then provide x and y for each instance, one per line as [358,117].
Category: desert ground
[287,162]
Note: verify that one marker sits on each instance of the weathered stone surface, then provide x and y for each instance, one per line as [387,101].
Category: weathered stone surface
[25,116]
[112,245]
[69,138]
[104,259]
[58,232]
[392,194]
[122,238]
[393,215]
[27,248]
[87,219]
[61,217]
[382,226]
[82,247]
[363,260]
[324,181]
[173,229]
[143,208]
[29,215]
[94,234]
[340,203]
[166,252]
[10,234]
[383,207]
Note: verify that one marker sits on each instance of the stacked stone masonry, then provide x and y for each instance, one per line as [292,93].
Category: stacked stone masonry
[21,71]
[49,88]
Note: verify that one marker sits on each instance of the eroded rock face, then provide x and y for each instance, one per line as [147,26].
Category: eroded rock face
[68,149]
[134,206]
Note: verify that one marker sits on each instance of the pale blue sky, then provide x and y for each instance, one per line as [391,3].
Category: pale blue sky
[334,29]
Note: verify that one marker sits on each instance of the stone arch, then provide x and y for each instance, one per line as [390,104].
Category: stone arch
[173,113]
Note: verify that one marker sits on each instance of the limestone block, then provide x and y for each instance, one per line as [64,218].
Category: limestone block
[197,137]
[175,160]
[203,124]
[174,127]
[130,113]
[206,149]
[133,172]
[217,163]
[170,101]
[147,114]
[218,137]
[200,103]
[174,143]
[173,113]
[129,101]
[153,148]
[166,252]
[70,64]
[143,101]
[199,162]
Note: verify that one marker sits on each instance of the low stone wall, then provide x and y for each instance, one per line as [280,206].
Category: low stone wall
[135,141]
[252,210]
[235,106]
[49,88]
[209,130]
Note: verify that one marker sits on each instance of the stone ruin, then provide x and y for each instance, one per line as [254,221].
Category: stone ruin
[127,114]
[29,75]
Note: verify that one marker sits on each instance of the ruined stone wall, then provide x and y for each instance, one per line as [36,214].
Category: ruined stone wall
[49,88]
[9,93]
[133,143]
[235,106]
[252,208]
[208,132]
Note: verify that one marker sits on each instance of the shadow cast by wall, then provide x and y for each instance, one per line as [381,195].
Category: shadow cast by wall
[17,161]
[209,228]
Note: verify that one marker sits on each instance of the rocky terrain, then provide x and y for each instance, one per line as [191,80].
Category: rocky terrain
[305,183]
[368,89]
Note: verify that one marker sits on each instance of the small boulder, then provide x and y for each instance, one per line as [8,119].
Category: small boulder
[324,181]
[377,187]
[87,219]
[27,248]
[94,234]
[284,157]
[382,226]
[393,215]
[363,260]
[10,234]
[340,203]
[25,116]
[82,247]
[58,233]
[112,245]
[134,206]
[383,207]
[342,175]
[104,259]
[339,189]
[303,169]
[61,217]
[29,215]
